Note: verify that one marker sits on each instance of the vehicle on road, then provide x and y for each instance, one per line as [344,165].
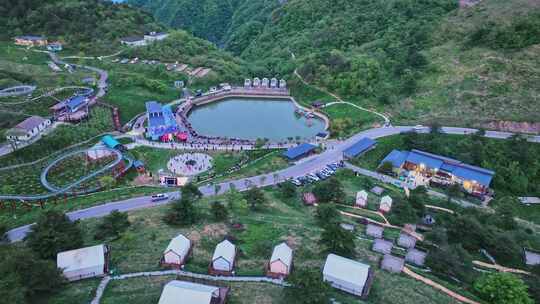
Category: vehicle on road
[159,197]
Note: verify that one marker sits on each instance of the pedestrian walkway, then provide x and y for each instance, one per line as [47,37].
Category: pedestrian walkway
[246,279]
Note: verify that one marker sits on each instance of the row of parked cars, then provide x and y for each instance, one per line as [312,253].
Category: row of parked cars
[322,174]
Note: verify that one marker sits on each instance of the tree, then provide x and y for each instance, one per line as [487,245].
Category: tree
[219,212]
[338,240]
[327,214]
[453,191]
[3,233]
[329,190]
[112,225]
[452,261]
[386,168]
[502,288]
[307,287]
[191,192]
[255,198]
[107,182]
[26,276]
[54,232]
[181,213]
[288,190]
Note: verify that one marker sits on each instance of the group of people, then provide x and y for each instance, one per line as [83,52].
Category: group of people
[190,164]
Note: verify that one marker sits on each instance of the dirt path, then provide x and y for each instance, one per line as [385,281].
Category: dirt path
[339,100]
[440,209]
[438,286]
[500,268]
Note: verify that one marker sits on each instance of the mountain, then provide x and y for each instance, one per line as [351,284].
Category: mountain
[215,20]
[91,22]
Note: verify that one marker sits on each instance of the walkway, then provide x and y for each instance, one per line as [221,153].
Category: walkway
[339,100]
[438,286]
[105,281]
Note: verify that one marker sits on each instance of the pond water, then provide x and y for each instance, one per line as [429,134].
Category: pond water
[249,118]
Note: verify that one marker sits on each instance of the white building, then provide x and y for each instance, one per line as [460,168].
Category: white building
[283,84]
[84,263]
[224,257]
[133,41]
[176,292]
[28,129]
[155,36]
[265,82]
[281,261]
[177,252]
[386,204]
[256,82]
[347,275]
[247,83]
[273,83]
[361,199]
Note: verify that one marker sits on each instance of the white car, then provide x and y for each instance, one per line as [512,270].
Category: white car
[159,197]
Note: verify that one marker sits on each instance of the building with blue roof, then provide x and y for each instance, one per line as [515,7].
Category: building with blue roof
[359,147]
[299,151]
[442,170]
[161,121]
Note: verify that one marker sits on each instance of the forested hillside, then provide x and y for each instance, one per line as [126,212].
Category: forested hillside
[86,23]
[231,24]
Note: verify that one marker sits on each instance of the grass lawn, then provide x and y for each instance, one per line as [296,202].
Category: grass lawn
[140,248]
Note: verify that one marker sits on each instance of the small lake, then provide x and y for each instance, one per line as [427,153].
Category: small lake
[249,118]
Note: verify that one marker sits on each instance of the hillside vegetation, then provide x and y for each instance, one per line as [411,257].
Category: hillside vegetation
[88,24]
[419,60]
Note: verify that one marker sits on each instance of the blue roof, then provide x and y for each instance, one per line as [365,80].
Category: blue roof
[110,141]
[299,150]
[138,164]
[448,167]
[418,158]
[360,147]
[472,173]
[153,107]
[75,102]
[396,157]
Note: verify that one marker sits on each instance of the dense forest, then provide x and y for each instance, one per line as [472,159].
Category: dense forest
[81,22]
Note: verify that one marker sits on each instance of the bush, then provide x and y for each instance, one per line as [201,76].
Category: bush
[112,225]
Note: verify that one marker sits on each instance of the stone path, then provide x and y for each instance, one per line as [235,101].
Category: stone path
[105,281]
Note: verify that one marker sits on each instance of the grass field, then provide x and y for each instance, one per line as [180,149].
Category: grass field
[140,248]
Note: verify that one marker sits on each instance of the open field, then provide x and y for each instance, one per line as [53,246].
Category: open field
[140,248]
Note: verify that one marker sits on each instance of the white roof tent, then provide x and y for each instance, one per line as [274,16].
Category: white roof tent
[84,263]
[348,275]
[177,252]
[223,258]
[176,292]
[361,198]
[281,261]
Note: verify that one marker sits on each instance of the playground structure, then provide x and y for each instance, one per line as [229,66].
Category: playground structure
[120,164]
[17,91]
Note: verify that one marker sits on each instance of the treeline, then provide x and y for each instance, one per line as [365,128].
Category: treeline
[521,32]
[369,49]
[73,21]
[184,48]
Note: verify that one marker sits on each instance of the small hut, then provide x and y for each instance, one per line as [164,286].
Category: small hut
[265,82]
[532,258]
[282,84]
[247,83]
[177,252]
[280,264]
[361,199]
[382,246]
[348,275]
[309,199]
[193,293]
[392,263]
[374,231]
[223,260]
[416,257]
[256,82]
[84,263]
[406,240]
[273,83]
[386,204]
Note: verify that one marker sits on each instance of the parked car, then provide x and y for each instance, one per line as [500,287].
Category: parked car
[296,182]
[159,197]
[198,93]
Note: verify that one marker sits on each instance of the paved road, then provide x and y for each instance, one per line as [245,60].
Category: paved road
[315,163]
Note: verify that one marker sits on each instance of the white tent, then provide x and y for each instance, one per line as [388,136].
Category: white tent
[84,262]
[177,251]
[346,274]
[361,198]
[281,260]
[224,255]
[386,204]
[176,292]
